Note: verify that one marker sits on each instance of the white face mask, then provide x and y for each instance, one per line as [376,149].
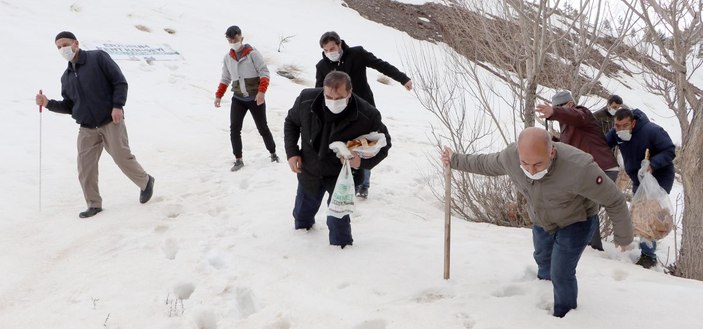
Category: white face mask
[336,106]
[333,55]
[235,45]
[67,53]
[625,135]
[611,111]
[536,176]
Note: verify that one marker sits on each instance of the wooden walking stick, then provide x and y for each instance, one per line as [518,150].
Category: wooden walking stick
[40,140]
[447,217]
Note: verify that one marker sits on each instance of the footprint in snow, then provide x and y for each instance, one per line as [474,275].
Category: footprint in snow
[160,228]
[429,297]
[546,303]
[170,249]
[372,324]
[282,322]
[509,291]
[467,321]
[206,320]
[172,211]
[183,290]
[215,260]
[245,302]
[620,275]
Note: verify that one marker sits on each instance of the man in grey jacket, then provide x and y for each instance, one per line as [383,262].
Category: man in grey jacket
[563,187]
[94,93]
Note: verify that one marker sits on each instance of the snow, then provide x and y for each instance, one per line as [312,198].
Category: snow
[216,249]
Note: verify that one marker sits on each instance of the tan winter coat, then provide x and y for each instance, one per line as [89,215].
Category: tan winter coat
[570,192]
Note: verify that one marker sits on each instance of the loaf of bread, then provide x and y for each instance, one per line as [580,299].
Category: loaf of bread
[363,142]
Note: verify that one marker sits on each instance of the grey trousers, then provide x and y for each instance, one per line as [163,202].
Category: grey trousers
[112,137]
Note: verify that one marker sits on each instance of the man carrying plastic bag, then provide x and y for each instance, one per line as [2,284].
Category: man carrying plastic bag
[319,117]
[633,135]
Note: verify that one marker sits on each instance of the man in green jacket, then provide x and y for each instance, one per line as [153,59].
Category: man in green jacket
[563,187]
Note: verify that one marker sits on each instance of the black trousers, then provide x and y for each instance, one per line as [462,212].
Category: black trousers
[236,118]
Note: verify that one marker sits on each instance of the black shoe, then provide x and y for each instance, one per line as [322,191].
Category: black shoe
[274,157]
[238,164]
[363,192]
[145,195]
[647,261]
[90,212]
[597,246]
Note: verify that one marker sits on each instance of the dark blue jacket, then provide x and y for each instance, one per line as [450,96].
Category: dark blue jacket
[647,135]
[91,89]
[309,122]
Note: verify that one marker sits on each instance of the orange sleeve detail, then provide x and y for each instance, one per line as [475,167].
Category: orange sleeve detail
[221,90]
[263,84]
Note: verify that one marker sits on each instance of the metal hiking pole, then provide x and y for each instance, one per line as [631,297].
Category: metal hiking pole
[447,217]
[40,142]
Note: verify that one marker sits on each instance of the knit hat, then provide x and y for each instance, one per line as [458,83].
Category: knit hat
[561,97]
[233,31]
[65,34]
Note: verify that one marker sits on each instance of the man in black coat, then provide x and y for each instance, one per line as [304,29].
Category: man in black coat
[337,56]
[319,117]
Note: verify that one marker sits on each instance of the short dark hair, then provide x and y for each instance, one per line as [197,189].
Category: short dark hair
[615,99]
[624,113]
[335,79]
[329,36]
[233,31]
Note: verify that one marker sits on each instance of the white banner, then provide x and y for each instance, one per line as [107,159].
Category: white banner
[135,52]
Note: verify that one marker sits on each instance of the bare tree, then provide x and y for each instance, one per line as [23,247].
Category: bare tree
[443,90]
[591,47]
[674,30]
[510,38]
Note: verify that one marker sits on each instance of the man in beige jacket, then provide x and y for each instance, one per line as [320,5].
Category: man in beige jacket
[563,187]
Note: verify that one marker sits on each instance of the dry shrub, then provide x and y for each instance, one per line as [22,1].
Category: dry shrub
[488,199]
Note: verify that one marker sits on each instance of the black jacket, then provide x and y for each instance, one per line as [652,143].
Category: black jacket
[91,89]
[354,62]
[309,118]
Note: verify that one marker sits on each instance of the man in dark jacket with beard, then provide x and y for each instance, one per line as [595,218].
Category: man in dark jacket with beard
[633,135]
[337,56]
[319,117]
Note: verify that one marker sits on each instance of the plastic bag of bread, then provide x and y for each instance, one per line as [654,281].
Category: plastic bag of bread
[651,210]
[367,146]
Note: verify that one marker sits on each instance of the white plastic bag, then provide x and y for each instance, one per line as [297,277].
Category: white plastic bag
[371,144]
[342,200]
[340,149]
[651,207]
